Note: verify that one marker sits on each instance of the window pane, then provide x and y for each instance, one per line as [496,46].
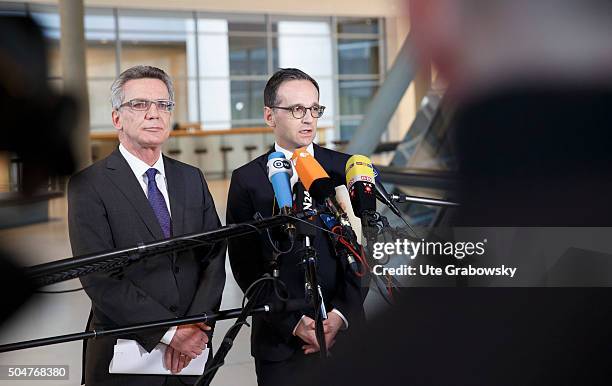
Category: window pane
[46,16]
[326,98]
[101,58]
[358,25]
[99,19]
[213,48]
[12,9]
[215,103]
[99,104]
[182,98]
[295,26]
[358,56]
[247,100]
[247,23]
[355,95]
[173,22]
[348,128]
[154,50]
[311,54]
[248,55]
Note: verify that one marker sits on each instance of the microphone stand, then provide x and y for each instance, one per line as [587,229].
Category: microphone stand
[403,198]
[309,262]
[373,223]
[313,291]
[205,317]
[228,341]
[71,268]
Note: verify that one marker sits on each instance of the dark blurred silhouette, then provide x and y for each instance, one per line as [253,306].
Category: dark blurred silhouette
[37,127]
[531,82]
[37,121]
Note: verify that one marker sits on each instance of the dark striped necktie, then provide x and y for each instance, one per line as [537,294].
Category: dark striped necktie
[158,203]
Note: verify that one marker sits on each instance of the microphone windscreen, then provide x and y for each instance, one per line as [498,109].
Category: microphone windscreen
[307,168]
[343,198]
[358,168]
[279,174]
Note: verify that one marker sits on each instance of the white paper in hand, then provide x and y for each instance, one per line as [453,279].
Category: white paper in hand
[131,358]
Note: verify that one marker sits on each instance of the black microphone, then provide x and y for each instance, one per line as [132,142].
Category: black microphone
[383,196]
[303,201]
[360,183]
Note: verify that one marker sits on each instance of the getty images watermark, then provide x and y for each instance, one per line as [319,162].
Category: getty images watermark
[412,249]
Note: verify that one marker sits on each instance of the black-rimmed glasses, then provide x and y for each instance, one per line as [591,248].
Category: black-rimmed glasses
[145,104]
[299,111]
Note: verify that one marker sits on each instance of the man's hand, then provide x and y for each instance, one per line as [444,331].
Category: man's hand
[187,343]
[175,361]
[331,326]
[306,331]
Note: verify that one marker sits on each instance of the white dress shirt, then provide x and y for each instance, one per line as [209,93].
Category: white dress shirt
[139,168]
[293,180]
[288,155]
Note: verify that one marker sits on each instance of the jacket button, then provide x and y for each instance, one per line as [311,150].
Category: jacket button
[173,308]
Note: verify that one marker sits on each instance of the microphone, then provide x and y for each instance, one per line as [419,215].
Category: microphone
[344,199]
[279,174]
[360,182]
[316,181]
[402,198]
[383,196]
[303,202]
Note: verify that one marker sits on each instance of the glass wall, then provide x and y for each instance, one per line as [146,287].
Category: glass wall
[220,63]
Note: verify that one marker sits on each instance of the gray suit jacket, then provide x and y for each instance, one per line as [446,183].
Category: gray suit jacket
[108,209]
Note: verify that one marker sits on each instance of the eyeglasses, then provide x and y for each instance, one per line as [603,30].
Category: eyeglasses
[145,104]
[299,111]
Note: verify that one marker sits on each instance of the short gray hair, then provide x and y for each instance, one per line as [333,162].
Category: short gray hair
[138,72]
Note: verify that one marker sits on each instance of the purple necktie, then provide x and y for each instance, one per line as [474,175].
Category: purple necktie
[156,199]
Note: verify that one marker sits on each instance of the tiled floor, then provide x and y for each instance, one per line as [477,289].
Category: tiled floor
[56,314]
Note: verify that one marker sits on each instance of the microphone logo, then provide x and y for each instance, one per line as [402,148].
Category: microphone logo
[307,204]
[281,164]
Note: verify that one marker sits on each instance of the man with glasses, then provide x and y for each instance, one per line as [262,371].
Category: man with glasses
[286,344]
[137,195]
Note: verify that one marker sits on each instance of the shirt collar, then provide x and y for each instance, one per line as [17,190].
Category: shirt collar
[289,154]
[138,166]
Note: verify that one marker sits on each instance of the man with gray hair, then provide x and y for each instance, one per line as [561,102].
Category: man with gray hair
[137,195]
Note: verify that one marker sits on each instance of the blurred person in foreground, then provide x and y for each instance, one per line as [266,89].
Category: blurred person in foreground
[138,195]
[31,109]
[531,82]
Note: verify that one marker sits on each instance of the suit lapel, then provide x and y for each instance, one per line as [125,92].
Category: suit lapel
[321,156]
[121,175]
[176,193]
[266,191]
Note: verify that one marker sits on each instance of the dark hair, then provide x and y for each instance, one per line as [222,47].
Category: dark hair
[280,76]
[138,72]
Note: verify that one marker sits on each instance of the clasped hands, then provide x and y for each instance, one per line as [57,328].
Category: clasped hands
[188,342]
[306,331]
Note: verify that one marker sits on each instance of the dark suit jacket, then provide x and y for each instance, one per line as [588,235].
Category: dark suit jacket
[108,209]
[250,192]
